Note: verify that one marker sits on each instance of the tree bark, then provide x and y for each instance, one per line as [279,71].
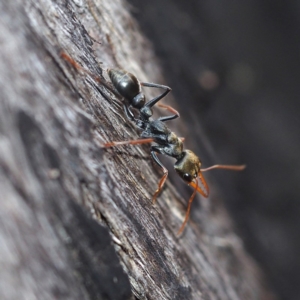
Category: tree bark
[76,217]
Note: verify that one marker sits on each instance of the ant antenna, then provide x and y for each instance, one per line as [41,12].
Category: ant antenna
[225,167]
[204,192]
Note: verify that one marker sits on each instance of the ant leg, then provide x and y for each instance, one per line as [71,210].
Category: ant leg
[187,214]
[130,142]
[72,62]
[164,119]
[156,99]
[163,179]
[172,110]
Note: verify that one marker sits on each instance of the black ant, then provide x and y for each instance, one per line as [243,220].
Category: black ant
[188,164]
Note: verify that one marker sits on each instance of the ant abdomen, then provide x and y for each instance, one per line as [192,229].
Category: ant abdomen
[125,83]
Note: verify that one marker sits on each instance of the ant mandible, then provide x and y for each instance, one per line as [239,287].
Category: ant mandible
[188,164]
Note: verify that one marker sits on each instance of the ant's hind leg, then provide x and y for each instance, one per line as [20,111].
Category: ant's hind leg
[153,101]
[162,180]
[170,109]
[72,62]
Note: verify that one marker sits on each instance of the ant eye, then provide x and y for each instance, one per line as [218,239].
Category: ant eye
[187,177]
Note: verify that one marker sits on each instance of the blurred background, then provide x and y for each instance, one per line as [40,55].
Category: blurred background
[234,68]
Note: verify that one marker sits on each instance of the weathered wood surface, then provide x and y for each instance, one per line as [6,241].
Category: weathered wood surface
[55,176]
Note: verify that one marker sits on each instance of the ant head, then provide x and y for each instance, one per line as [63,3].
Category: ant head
[139,101]
[188,166]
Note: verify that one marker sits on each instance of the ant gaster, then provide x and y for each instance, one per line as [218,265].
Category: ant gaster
[187,165]
[129,87]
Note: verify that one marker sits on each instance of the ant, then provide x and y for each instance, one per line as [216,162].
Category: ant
[188,164]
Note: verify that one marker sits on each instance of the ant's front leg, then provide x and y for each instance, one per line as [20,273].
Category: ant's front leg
[162,181]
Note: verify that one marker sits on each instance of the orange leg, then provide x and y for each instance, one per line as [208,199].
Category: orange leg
[205,192]
[144,141]
[187,214]
[169,108]
[160,185]
[72,62]
[130,142]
